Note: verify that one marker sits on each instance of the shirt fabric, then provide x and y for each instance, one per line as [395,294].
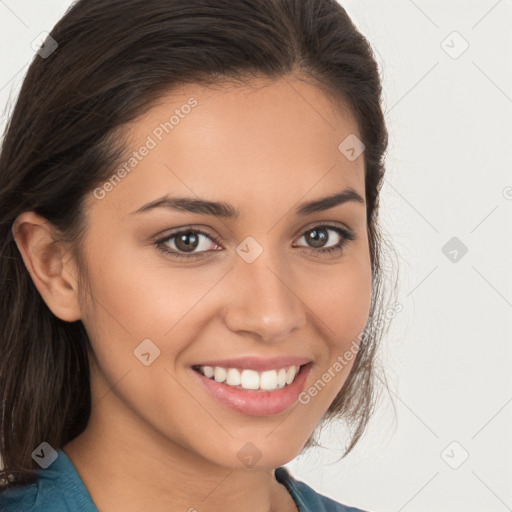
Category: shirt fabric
[59,488]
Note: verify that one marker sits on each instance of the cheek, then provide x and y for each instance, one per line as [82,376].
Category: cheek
[135,299]
[140,296]
[341,303]
[141,293]
[341,300]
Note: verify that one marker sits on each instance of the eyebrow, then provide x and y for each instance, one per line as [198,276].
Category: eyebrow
[228,211]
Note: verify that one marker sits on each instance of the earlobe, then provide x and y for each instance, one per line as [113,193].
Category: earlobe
[49,264]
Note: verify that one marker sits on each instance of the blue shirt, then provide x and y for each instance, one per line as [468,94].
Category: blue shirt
[59,488]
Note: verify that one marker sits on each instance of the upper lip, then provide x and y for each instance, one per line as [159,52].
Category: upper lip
[257,363]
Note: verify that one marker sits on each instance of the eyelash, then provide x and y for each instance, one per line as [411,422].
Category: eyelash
[346,237]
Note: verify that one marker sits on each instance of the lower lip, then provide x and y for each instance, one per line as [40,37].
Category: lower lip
[254,402]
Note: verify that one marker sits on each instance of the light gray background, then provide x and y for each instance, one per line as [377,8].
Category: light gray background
[448,353]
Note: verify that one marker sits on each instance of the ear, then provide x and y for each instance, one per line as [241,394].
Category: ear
[52,270]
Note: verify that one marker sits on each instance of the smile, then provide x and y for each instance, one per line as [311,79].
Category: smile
[247,391]
[250,379]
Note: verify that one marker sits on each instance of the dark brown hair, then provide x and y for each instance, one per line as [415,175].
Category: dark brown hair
[114,59]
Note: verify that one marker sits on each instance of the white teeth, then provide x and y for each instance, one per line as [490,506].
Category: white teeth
[281,378]
[250,379]
[268,380]
[233,378]
[290,374]
[208,371]
[219,374]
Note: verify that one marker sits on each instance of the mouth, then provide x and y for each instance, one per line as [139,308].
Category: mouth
[250,392]
[251,380]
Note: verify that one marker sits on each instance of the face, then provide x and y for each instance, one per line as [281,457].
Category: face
[268,285]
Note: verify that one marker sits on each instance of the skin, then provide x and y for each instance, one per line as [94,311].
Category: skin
[156,440]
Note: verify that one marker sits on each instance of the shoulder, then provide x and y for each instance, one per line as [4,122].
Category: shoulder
[19,499]
[58,489]
[306,498]
[30,498]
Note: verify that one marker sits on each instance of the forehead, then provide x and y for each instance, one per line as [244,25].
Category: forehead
[252,145]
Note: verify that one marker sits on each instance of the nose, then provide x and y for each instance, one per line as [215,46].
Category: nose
[263,301]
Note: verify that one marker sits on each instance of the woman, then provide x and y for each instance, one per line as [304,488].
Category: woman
[189,196]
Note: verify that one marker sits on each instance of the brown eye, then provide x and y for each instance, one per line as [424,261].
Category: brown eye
[185,242]
[317,237]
